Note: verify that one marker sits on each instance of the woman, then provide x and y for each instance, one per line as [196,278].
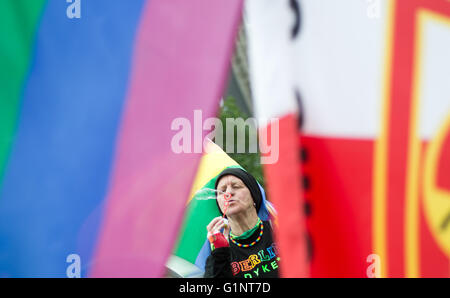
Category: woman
[242,245]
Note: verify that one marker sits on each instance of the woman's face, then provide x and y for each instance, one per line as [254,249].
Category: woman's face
[240,200]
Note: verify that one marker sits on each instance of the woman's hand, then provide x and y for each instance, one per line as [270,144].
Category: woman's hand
[214,232]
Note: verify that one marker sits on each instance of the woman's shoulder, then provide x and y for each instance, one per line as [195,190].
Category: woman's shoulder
[267,223]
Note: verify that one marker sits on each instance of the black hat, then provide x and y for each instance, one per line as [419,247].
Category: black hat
[248,180]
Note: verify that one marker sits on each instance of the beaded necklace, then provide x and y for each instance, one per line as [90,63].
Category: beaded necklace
[251,244]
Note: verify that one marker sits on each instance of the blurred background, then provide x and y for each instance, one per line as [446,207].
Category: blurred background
[351,102]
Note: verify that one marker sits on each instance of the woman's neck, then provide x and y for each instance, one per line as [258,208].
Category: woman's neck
[241,223]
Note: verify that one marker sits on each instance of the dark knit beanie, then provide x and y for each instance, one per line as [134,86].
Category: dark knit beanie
[248,180]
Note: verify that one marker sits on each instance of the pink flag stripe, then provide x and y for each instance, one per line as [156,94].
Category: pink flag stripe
[180,64]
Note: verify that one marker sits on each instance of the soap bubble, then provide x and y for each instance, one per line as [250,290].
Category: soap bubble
[208,194]
[212,194]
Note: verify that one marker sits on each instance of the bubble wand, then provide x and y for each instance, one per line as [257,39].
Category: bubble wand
[227,197]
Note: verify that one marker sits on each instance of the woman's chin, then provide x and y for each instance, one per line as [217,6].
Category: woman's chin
[234,211]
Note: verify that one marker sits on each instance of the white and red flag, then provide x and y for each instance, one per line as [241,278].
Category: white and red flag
[371,83]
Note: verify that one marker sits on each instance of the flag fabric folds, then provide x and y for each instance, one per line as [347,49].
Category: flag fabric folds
[370,79]
[86,105]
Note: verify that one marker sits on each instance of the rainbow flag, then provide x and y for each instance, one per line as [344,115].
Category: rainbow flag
[86,105]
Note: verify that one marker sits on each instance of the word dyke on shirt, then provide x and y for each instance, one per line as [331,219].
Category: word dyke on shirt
[257,264]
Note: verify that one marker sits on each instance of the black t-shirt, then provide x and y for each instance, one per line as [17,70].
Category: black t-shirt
[259,260]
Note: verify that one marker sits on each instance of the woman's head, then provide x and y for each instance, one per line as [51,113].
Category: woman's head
[244,191]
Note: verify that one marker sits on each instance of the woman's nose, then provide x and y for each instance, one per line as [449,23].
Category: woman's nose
[230,190]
